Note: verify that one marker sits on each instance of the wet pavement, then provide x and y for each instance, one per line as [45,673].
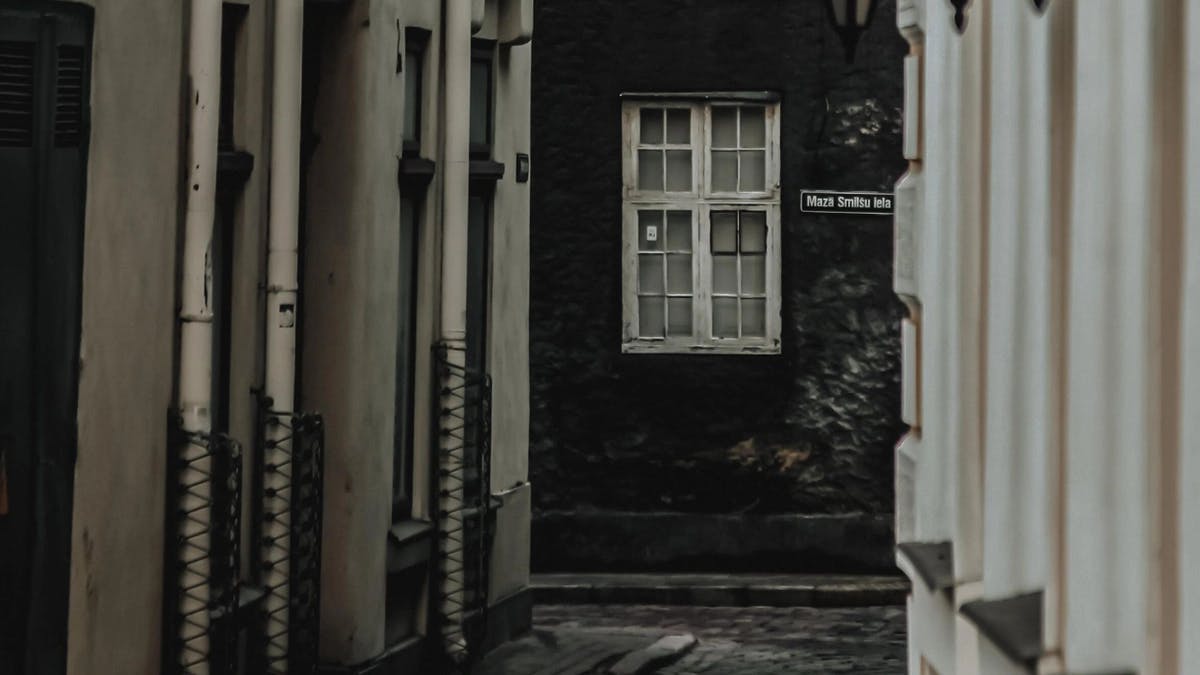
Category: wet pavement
[584,639]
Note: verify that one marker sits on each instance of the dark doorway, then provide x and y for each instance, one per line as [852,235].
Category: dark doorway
[44,77]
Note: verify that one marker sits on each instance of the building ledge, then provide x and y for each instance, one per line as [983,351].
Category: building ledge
[1013,624]
[233,169]
[932,561]
[415,172]
[410,543]
[486,170]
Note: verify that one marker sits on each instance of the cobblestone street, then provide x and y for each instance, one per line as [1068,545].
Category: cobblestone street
[732,640]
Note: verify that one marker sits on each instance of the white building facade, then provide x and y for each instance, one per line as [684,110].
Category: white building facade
[283,268]
[1048,250]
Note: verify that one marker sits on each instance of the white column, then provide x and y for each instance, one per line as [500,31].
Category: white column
[282,314]
[195,314]
[455,175]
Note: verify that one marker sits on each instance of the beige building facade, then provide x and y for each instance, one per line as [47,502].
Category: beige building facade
[1048,250]
[321,201]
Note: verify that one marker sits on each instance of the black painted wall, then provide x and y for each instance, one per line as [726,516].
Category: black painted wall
[808,431]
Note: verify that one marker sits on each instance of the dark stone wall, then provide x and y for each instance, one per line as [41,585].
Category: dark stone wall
[808,431]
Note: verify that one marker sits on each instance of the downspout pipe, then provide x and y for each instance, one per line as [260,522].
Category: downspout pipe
[455,175]
[196,327]
[282,318]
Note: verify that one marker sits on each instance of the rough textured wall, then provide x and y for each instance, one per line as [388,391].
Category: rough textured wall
[810,430]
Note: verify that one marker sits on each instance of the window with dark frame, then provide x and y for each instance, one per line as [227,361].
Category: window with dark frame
[482,113]
[415,174]
[232,171]
[416,42]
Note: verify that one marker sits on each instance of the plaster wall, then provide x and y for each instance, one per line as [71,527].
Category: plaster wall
[127,342]
[1189,478]
[1021,424]
[351,246]
[350,299]
[1048,305]
[508,330]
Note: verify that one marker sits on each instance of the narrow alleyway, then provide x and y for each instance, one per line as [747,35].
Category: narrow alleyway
[585,639]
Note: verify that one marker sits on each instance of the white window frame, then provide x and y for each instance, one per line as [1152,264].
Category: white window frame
[701,201]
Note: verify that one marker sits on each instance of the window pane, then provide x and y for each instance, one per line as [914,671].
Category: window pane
[724,232]
[679,125]
[754,232]
[481,84]
[724,171]
[650,273]
[754,127]
[650,170]
[412,95]
[725,274]
[650,317]
[754,170]
[725,317]
[679,313]
[679,170]
[679,273]
[724,131]
[754,318]
[652,125]
[679,230]
[650,230]
[754,274]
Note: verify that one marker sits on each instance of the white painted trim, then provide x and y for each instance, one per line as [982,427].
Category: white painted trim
[700,202]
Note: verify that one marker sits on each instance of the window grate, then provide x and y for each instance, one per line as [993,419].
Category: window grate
[16,94]
[68,98]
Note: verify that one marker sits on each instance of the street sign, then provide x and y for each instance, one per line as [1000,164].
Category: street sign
[849,203]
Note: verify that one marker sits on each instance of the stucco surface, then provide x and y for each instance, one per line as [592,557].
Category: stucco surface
[127,337]
[810,430]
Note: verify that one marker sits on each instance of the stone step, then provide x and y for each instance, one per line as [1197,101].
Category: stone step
[721,590]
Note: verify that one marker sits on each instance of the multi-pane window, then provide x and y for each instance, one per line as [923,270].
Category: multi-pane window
[416,40]
[481,99]
[701,224]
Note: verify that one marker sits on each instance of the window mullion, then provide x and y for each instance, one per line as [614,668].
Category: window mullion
[630,273]
[701,309]
[774,285]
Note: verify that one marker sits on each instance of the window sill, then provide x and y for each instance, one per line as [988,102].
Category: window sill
[486,170]
[932,561]
[410,543]
[1013,624]
[415,172]
[233,169]
[647,347]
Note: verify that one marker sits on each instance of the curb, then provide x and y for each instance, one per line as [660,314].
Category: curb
[720,590]
[668,542]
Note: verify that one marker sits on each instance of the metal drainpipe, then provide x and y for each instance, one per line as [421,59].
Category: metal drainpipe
[195,312]
[456,27]
[282,319]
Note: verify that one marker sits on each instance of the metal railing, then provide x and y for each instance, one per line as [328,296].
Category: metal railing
[200,562]
[465,517]
[283,640]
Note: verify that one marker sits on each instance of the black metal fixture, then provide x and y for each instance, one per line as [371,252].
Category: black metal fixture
[960,13]
[850,18]
[1039,5]
[522,167]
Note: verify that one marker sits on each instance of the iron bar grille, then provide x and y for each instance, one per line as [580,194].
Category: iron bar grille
[289,497]
[203,523]
[464,532]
